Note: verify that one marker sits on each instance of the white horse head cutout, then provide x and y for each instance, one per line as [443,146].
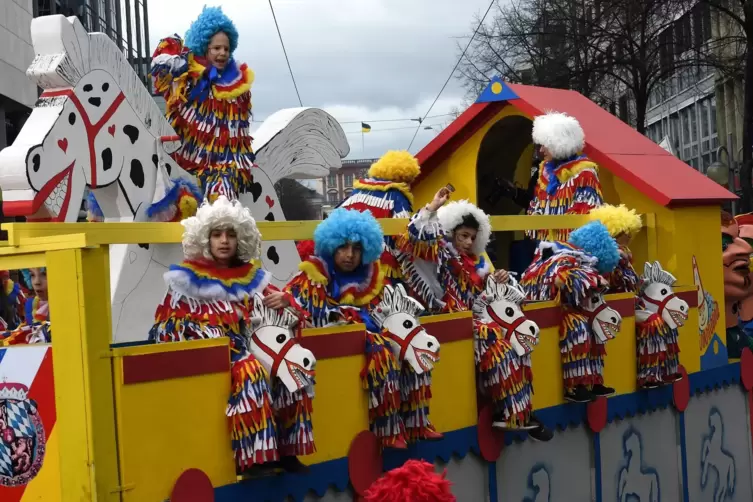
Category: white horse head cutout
[95,125]
[501,304]
[273,342]
[659,297]
[397,315]
[605,321]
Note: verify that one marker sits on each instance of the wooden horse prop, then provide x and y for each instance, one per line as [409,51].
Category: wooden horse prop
[504,339]
[661,313]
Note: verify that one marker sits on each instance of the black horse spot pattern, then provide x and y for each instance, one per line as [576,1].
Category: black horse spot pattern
[155,160]
[145,246]
[36,162]
[272,255]
[95,101]
[256,190]
[106,159]
[169,168]
[132,133]
[270,217]
[105,86]
[137,173]
[88,88]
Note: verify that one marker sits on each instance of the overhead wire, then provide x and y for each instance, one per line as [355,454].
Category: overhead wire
[279,34]
[376,121]
[480,24]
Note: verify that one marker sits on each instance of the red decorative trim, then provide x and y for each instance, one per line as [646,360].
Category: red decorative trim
[681,391]
[690,297]
[625,307]
[491,442]
[746,369]
[596,412]
[193,485]
[451,330]
[335,345]
[177,364]
[364,461]
[550,317]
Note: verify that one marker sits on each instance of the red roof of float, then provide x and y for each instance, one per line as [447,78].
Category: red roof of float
[610,142]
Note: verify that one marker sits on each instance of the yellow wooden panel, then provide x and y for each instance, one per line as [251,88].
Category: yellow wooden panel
[453,403]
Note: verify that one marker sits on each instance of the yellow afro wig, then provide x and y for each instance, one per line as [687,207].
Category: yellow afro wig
[617,219]
[396,165]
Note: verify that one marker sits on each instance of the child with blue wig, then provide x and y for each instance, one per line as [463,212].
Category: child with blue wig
[208,97]
[343,281]
[573,273]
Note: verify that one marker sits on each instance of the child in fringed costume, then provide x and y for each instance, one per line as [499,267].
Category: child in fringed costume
[386,193]
[343,282]
[35,327]
[657,319]
[568,180]
[208,98]
[414,481]
[622,224]
[572,273]
[446,243]
[210,295]
[14,302]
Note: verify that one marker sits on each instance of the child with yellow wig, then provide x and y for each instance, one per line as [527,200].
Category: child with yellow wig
[622,224]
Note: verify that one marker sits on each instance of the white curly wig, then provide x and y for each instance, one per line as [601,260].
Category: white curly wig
[451,215]
[561,134]
[221,215]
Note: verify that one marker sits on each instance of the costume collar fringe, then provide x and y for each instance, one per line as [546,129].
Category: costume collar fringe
[357,288]
[203,281]
[383,185]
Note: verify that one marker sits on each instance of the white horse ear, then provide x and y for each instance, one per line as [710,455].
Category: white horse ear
[647,269]
[258,308]
[491,284]
[387,294]
[400,290]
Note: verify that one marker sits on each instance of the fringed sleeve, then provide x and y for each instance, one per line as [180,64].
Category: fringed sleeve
[169,64]
[587,194]
[178,319]
[574,282]
[624,278]
[423,238]
[180,201]
[310,295]
[17,301]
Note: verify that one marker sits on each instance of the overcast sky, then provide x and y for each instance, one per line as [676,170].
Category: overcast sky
[360,60]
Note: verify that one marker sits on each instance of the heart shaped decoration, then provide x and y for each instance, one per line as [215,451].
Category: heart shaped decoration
[270,201]
[111,130]
[63,144]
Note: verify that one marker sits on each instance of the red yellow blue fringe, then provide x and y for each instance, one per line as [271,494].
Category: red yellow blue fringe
[415,394]
[658,351]
[249,409]
[296,430]
[582,358]
[623,278]
[381,378]
[502,375]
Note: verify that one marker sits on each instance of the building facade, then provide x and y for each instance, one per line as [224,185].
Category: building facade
[126,22]
[339,184]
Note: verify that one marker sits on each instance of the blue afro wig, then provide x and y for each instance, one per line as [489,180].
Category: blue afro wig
[594,239]
[210,22]
[348,225]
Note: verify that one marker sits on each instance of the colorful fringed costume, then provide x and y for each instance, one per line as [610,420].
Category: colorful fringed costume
[622,224]
[504,340]
[15,301]
[34,329]
[398,400]
[570,272]
[210,109]
[445,279]
[204,300]
[386,194]
[657,319]
[568,181]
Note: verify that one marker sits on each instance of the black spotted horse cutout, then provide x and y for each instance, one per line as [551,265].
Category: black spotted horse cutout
[97,127]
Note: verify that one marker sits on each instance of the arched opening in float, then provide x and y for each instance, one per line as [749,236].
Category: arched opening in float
[505,154]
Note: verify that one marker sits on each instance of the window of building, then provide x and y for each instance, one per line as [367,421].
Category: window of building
[624,115]
[348,180]
[331,180]
[332,198]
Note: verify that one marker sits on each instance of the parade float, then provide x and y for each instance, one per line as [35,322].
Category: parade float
[100,414]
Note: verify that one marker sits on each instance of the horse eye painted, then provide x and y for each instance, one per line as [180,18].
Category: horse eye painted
[281,338]
[664,291]
[105,86]
[71,118]
[509,312]
[407,324]
[595,299]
